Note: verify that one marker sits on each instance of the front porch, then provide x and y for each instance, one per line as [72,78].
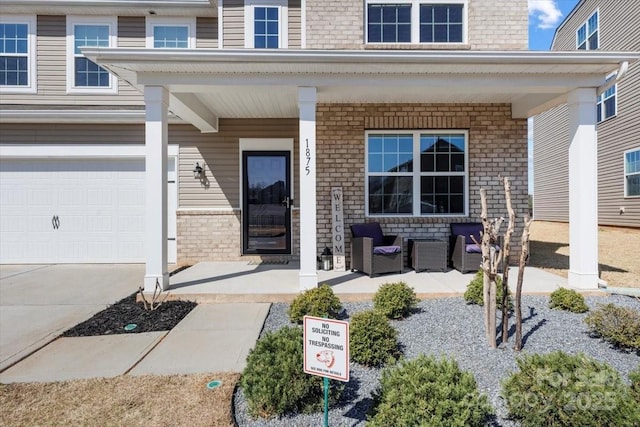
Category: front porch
[209,282]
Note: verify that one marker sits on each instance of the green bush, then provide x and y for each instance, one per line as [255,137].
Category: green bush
[618,325]
[428,392]
[320,302]
[274,382]
[395,300]
[634,376]
[568,300]
[372,340]
[559,389]
[473,294]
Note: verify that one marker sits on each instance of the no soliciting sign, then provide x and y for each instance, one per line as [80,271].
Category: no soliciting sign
[326,348]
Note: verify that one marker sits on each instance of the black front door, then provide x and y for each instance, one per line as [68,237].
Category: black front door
[266,206]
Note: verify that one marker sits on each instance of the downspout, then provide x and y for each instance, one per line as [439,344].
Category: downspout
[620,74]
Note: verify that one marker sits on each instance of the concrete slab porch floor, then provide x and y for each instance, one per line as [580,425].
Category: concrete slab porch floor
[242,282]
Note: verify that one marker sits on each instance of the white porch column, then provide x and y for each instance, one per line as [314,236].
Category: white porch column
[583,190]
[308,245]
[156,100]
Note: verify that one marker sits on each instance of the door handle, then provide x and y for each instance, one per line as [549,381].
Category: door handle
[287,202]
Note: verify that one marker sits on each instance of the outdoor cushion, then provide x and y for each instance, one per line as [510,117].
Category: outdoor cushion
[475,249]
[369,229]
[386,250]
[466,230]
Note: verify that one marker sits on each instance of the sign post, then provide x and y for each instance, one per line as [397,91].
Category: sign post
[326,352]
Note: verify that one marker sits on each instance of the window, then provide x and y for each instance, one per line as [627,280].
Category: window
[632,173]
[415,21]
[84,75]
[17,54]
[606,105]
[266,24]
[417,173]
[171,33]
[587,33]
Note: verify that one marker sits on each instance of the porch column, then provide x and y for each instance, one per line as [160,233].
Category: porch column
[583,190]
[308,246]
[156,100]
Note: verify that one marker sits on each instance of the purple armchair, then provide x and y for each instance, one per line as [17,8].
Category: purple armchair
[374,253]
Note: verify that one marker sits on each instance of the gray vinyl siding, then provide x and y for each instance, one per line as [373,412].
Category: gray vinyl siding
[617,21]
[52,68]
[52,133]
[131,31]
[551,165]
[207,33]
[295,24]
[233,23]
[220,153]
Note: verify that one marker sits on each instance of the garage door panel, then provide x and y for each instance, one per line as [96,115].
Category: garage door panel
[99,202]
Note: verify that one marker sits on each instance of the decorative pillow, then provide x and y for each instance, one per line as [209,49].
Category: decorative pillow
[467,229]
[369,229]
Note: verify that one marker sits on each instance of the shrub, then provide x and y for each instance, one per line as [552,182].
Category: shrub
[372,340]
[567,390]
[428,392]
[568,300]
[618,325]
[473,294]
[274,382]
[395,300]
[320,302]
[634,376]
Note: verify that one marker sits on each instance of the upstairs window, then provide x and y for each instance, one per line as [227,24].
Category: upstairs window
[632,173]
[266,24]
[416,173]
[84,75]
[416,21]
[606,105]
[587,33]
[170,33]
[17,54]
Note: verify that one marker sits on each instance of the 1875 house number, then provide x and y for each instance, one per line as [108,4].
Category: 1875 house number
[307,154]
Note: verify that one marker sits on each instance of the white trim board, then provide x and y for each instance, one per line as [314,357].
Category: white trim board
[77,150]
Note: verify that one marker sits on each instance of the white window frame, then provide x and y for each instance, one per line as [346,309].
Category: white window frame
[600,105]
[416,174]
[152,21]
[585,25]
[32,79]
[72,21]
[415,21]
[625,174]
[283,21]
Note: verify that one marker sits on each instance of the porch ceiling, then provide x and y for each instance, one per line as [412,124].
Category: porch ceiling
[206,84]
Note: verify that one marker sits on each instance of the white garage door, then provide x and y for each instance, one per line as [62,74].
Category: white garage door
[79,210]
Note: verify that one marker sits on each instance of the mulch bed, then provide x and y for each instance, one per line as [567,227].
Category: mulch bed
[114,318]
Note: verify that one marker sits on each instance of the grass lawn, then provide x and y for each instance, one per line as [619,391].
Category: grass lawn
[619,252]
[178,400]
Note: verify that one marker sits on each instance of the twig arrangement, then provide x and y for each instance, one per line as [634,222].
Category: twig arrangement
[155,300]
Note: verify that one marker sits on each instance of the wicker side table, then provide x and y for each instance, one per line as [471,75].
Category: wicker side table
[428,254]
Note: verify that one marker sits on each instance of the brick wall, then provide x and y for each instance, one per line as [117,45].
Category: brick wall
[493,25]
[497,146]
[214,235]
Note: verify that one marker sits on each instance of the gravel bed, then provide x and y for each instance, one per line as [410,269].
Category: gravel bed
[450,327]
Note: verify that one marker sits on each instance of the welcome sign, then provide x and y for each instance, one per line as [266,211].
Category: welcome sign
[337,227]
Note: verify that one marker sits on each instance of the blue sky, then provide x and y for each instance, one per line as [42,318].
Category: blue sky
[544,18]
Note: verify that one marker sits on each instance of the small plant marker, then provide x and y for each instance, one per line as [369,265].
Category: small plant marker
[130,327]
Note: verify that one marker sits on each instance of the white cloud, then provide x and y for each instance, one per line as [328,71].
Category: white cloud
[547,13]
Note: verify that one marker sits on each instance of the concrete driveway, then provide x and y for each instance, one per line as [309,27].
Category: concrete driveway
[39,302]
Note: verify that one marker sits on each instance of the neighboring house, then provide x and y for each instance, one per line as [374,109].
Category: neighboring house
[191,130]
[605,26]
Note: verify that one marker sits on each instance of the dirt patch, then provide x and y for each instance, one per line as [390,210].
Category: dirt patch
[618,252]
[127,311]
[133,401]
